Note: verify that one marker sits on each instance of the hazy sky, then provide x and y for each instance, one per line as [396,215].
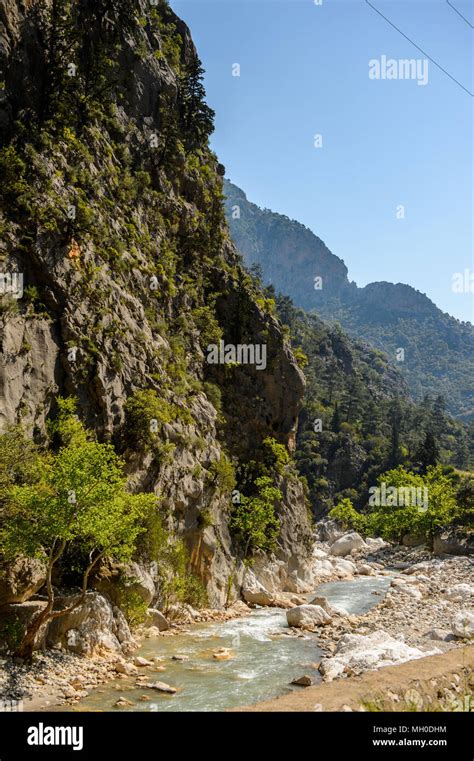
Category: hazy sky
[386,143]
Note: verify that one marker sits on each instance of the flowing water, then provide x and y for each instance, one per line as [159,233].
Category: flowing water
[265,659]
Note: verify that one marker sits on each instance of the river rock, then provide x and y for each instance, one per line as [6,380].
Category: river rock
[307,616]
[123,703]
[156,618]
[332,610]
[442,635]
[319,554]
[122,667]
[462,624]
[376,543]
[223,654]
[347,543]
[460,592]
[141,662]
[303,681]
[363,569]
[345,569]
[322,568]
[160,687]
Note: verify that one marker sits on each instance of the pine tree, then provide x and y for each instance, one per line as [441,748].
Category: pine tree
[197,118]
[336,419]
[428,454]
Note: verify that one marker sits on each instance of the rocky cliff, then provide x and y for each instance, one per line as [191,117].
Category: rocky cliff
[118,270]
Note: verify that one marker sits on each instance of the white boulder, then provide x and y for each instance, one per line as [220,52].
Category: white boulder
[357,653]
[307,616]
[460,592]
[344,569]
[347,543]
[462,624]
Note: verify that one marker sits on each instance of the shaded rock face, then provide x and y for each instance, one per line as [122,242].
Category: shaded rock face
[89,277]
[454,541]
[14,619]
[21,579]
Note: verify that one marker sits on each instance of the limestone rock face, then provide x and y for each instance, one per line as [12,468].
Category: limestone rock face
[92,280]
[21,579]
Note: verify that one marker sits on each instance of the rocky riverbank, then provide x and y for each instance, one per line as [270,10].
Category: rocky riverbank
[58,678]
[428,609]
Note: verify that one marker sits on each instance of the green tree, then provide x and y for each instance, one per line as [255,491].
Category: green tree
[254,521]
[428,453]
[196,116]
[346,514]
[80,498]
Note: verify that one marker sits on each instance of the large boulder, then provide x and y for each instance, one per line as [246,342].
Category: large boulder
[156,618]
[460,592]
[331,610]
[254,592]
[295,584]
[329,531]
[322,568]
[413,540]
[307,616]
[344,546]
[344,569]
[94,627]
[462,624]
[21,579]
[376,543]
[454,541]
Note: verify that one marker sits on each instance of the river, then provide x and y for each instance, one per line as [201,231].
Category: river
[265,659]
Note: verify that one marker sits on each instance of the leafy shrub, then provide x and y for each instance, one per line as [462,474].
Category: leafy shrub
[222,474]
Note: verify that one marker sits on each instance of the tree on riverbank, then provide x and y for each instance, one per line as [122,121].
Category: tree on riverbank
[412,503]
[75,496]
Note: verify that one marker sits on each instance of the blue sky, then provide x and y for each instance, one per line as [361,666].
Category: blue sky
[386,143]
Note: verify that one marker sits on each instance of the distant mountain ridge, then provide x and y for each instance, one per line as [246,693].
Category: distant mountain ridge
[438,349]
